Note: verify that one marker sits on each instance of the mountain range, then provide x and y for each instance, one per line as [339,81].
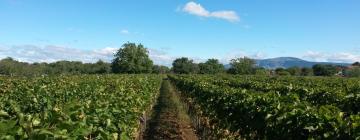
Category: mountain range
[286,62]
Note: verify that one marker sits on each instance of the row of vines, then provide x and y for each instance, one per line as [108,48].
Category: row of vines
[75,107]
[250,107]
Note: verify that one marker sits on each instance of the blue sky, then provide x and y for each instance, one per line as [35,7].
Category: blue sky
[87,30]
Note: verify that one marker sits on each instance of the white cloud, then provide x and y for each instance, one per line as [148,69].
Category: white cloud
[258,55]
[106,51]
[344,57]
[227,15]
[198,10]
[52,53]
[160,57]
[240,53]
[314,56]
[341,57]
[234,54]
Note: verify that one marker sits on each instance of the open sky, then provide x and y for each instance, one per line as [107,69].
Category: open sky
[88,30]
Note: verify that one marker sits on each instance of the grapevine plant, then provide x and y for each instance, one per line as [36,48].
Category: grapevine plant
[275,108]
[75,107]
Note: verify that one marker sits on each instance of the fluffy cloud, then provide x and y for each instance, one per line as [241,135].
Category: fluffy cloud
[227,15]
[341,57]
[231,55]
[258,55]
[196,9]
[160,57]
[52,53]
[344,57]
[240,54]
[108,51]
[315,56]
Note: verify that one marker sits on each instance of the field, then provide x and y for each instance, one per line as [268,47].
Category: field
[219,107]
[274,107]
[75,107]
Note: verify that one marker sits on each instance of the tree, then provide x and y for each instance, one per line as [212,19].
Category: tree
[211,66]
[160,69]
[242,66]
[295,71]
[324,70]
[353,72]
[282,72]
[7,66]
[132,58]
[306,72]
[66,67]
[184,66]
[356,64]
[100,67]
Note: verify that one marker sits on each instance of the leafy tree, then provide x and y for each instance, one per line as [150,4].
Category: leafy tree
[7,66]
[295,71]
[282,72]
[132,58]
[184,66]
[66,67]
[353,72]
[211,66]
[356,64]
[306,72]
[160,69]
[101,67]
[242,66]
[36,69]
[324,70]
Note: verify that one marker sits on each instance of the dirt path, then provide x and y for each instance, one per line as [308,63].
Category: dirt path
[169,120]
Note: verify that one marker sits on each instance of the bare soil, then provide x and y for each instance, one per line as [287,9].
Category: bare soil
[169,120]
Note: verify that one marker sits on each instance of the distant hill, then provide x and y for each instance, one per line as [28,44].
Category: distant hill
[286,62]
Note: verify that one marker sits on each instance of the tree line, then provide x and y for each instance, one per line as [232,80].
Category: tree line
[247,66]
[134,59]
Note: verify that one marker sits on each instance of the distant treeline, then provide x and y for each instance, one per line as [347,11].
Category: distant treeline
[134,59]
[247,66]
[9,66]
